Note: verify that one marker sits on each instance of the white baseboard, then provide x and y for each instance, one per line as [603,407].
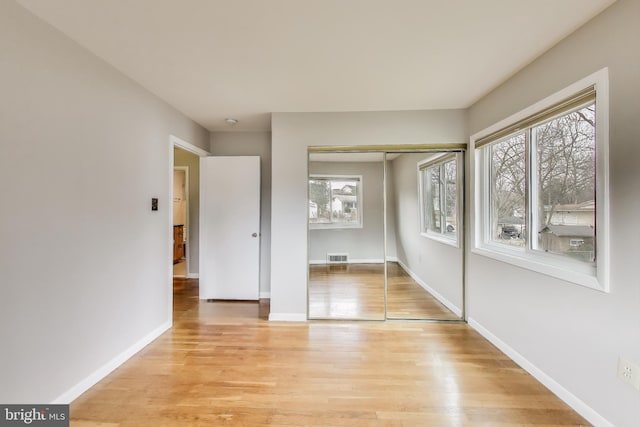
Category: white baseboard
[84,385]
[265,295]
[569,398]
[193,276]
[392,259]
[351,261]
[287,317]
[451,306]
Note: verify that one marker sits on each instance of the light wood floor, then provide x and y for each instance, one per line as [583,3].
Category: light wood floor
[406,299]
[180,269]
[346,291]
[356,291]
[223,364]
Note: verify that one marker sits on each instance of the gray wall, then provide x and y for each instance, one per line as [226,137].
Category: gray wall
[438,265]
[292,133]
[85,265]
[571,333]
[366,243]
[184,158]
[253,144]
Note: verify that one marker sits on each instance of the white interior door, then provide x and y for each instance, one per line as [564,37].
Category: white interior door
[230,227]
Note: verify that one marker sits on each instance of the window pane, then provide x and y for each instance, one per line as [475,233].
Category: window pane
[335,201]
[425,202]
[565,154]
[319,201]
[451,198]
[433,205]
[507,191]
[344,201]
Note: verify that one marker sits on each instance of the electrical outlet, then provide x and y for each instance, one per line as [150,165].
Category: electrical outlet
[629,373]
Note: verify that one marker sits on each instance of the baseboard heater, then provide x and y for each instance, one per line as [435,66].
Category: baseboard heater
[337,258]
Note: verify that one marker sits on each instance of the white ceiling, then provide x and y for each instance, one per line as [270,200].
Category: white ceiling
[213,59]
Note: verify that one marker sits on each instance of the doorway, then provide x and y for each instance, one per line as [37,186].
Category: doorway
[186,157]
[180,219]
[401,256]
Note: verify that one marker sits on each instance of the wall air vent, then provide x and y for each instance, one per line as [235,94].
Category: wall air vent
[337,258]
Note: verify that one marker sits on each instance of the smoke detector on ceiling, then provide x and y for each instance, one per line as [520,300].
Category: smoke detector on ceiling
[231,121]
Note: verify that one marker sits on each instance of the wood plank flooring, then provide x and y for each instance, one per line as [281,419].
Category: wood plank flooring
[356,291]
[346,291]
[406,299]
[223,364]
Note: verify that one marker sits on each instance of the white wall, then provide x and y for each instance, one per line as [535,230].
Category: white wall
[253,144]
[184,158]
[85,264]
[292,133]
[366,243]
[438,265]
[571,333]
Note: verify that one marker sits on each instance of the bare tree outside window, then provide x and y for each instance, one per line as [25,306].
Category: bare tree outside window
[434,195]
[439,201]
[507,191]
[451,197]
[566,182]
[562,186]
[540,183]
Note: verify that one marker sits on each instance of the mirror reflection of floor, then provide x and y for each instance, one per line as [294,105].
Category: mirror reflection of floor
[356,291]
[406,299]
[346,291]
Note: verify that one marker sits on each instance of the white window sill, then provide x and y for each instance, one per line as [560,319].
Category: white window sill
[442,238]
[582,274]
[334,226]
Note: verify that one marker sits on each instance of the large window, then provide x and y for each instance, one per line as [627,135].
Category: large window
[335,201]
[439,195]
[540,187]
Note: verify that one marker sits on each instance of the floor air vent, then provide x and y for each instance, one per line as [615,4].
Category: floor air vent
[337,258]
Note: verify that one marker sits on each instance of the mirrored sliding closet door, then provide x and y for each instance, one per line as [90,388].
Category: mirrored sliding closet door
[346,236]
[424,235]
[385,235]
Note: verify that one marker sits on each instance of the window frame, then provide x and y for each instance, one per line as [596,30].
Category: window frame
[422,167]
[591,275]
[359,199]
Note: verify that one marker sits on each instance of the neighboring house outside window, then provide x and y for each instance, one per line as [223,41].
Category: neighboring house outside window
[335,201]
[540,198]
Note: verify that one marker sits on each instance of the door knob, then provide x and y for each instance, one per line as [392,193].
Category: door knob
[254,235]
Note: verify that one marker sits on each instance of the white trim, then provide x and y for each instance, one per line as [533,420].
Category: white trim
[181,143]
[193,276]
[351,261]
[569,398]
[265,295]
[451,306]
[556,266]
[287,317]
[441,238]
[92,379]
[170,230]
